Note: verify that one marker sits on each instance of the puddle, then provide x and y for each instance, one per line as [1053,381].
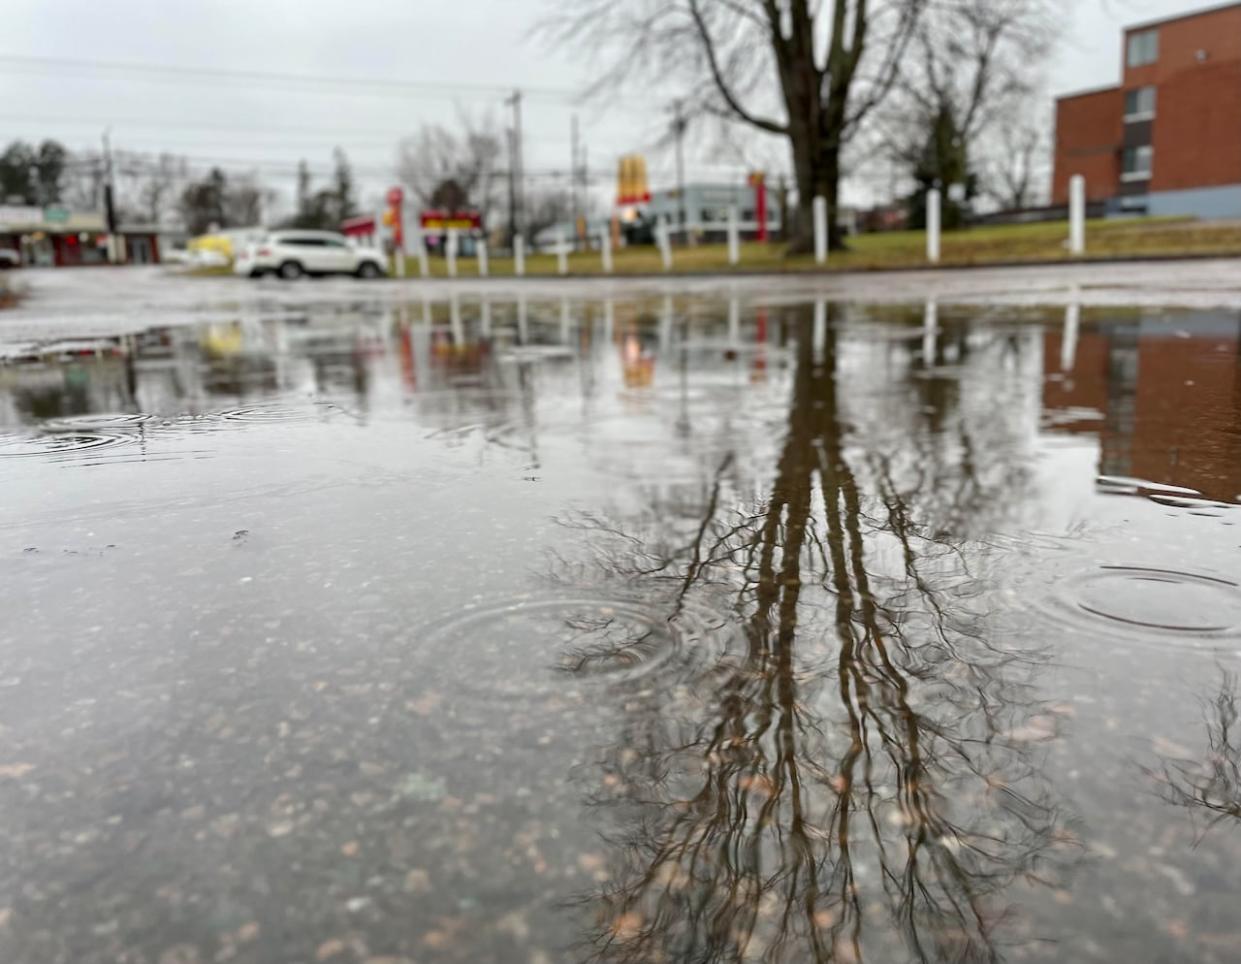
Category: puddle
[685,628]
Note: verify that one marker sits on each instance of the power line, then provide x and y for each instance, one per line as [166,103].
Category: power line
[182,74]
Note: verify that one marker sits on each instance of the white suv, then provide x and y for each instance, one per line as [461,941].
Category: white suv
[291,254]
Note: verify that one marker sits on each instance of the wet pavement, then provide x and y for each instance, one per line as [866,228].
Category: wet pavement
[668,626]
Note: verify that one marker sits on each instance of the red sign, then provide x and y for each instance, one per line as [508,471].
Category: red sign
[395,196]
[438,220]
[757,180]
[359,226]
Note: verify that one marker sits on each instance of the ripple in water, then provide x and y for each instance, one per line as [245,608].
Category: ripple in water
[60,444]
[95,423]
[532,647]
[268,413]
[1136,600]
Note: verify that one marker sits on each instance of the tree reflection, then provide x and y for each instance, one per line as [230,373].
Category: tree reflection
[1210,787]
[859,774]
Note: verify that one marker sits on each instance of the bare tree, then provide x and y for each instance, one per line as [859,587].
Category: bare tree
[84,181]
[972,64]
[436,156]
[1017,154]
[546,207]
[831,65]
[244,201]
[147,185]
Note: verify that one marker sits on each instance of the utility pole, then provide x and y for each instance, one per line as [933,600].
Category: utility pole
[516,185]
[512,188]
[573,169]
[679,123]
[109,206]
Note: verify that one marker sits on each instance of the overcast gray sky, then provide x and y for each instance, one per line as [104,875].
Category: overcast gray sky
[451,47]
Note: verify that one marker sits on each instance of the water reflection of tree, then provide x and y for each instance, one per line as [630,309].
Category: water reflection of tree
[858,774]
[1210,787]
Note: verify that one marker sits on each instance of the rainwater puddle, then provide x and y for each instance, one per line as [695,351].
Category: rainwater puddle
[566,629]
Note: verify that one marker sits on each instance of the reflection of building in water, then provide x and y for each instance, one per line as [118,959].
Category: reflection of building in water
[1161,394]
[63,386]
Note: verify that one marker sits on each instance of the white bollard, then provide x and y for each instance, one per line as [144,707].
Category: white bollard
[609,320]
[818,335]
[450,252]
[605,250]
[523,321]
[566,326]
[930,332]
[562,253]
[734,240]
[454,319]
[734,323]
[820,230]
[1077,214]
[1068,342]
[424,266]
[484,311]
[482,258]
[665,324]
[933,225]
[519,255]
[665,242]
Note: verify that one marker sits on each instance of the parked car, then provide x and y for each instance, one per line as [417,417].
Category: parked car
[10,258]
[291,254]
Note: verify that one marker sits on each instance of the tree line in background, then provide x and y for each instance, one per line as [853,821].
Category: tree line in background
[439,167]
[160,190]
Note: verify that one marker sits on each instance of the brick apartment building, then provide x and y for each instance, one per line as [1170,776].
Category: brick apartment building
[1167,140]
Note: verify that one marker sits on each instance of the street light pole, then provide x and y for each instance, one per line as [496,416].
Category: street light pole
[679,124]
[573,169]
[109,206]
[517,187]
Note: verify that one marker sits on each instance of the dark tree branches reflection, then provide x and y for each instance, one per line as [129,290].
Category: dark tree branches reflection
[1209,787]
[858,777]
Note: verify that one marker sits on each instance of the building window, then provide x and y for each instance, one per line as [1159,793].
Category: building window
[1136,164]
[1143,48]
[1140,104]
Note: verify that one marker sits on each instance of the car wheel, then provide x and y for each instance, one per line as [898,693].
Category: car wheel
[290,271]
[368,269]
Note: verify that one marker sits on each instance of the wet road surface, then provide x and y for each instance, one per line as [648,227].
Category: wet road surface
[661,627]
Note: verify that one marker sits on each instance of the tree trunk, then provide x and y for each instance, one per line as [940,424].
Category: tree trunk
[817,169]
